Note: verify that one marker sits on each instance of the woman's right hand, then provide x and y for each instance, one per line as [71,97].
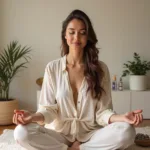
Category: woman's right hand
[22,117]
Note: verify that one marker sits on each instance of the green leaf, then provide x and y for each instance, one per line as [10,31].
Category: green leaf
[136,67]
[10,64]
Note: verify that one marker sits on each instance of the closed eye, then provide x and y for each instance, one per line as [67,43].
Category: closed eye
[83,32]
[71,32]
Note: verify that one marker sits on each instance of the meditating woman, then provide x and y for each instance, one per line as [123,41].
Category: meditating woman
[76,97]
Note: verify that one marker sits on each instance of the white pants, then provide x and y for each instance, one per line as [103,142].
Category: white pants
[118,135]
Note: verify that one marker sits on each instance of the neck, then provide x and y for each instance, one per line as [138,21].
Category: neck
[75,58]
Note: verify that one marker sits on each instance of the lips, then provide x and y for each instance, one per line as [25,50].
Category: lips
[76,43]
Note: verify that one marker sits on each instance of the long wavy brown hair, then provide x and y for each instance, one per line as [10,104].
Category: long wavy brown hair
[92,71]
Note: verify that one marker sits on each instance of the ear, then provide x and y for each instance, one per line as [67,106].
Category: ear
[65,37]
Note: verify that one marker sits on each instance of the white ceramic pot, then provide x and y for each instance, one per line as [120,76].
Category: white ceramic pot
[138,82]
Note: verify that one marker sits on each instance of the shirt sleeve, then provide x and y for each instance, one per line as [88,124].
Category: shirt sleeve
[104,107]
[47,103]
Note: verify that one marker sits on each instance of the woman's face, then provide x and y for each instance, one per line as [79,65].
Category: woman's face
[76,35]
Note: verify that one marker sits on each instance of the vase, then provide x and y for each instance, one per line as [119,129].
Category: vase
[138,82]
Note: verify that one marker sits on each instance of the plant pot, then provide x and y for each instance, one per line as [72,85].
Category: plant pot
[138,82]
[7,111]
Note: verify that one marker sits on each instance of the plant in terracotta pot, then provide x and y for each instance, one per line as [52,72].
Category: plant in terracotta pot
[137,69]
[13,59]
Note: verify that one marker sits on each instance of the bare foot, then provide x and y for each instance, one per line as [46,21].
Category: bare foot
[75,146]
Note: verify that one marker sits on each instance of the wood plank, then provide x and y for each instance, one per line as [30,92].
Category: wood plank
[7,127]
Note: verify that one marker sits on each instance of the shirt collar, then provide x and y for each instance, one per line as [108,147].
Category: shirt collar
[64,62]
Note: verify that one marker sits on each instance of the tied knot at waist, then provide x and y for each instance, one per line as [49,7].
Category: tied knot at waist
[74,128]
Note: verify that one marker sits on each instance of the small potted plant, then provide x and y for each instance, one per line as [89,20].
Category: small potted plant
[137,69]
[12,60]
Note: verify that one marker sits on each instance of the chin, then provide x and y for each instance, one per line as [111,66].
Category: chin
[78,48]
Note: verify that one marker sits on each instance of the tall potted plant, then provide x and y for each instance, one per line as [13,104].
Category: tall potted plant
[12,60]
[137,69]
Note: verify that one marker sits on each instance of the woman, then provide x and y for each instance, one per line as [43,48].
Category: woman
[76,95]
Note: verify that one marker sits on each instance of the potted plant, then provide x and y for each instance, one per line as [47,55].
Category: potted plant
[12,60]
[137,69]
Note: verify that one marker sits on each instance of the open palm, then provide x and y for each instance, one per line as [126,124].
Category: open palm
[134,117]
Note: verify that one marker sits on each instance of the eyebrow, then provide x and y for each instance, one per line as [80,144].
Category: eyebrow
[74,29]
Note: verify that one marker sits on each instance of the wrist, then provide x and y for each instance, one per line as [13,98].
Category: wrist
[33,118]
[38,118]
[116,118]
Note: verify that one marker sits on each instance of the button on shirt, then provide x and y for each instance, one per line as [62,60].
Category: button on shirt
[57,105]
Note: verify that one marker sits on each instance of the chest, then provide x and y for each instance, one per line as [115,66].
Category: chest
[76,77]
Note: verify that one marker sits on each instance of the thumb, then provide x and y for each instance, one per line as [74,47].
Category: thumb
[130,121]
[138,111]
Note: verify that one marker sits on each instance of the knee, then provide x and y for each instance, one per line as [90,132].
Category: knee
[127,134]
[21,133]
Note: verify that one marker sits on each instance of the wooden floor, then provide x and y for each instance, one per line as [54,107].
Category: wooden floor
[6,127]
[143,124]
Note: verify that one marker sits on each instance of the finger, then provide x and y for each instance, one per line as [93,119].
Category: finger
[129,121]
[137,120]
[21,119]
[13,119]
[19,112]
[141,117]
[138,111]
[17,120]
[134,120]
[25,114]
[26,121]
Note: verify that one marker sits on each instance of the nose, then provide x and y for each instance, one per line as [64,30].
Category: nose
[77,37]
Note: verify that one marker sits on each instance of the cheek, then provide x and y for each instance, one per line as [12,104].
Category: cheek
[84,41]
[68,39]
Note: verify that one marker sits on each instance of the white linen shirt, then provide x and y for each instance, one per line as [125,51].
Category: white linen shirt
[56,103]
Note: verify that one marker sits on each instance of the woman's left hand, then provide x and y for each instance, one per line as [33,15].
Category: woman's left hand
[134,117]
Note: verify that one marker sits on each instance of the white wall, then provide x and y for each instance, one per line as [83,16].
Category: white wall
[1,15]
[122,27]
